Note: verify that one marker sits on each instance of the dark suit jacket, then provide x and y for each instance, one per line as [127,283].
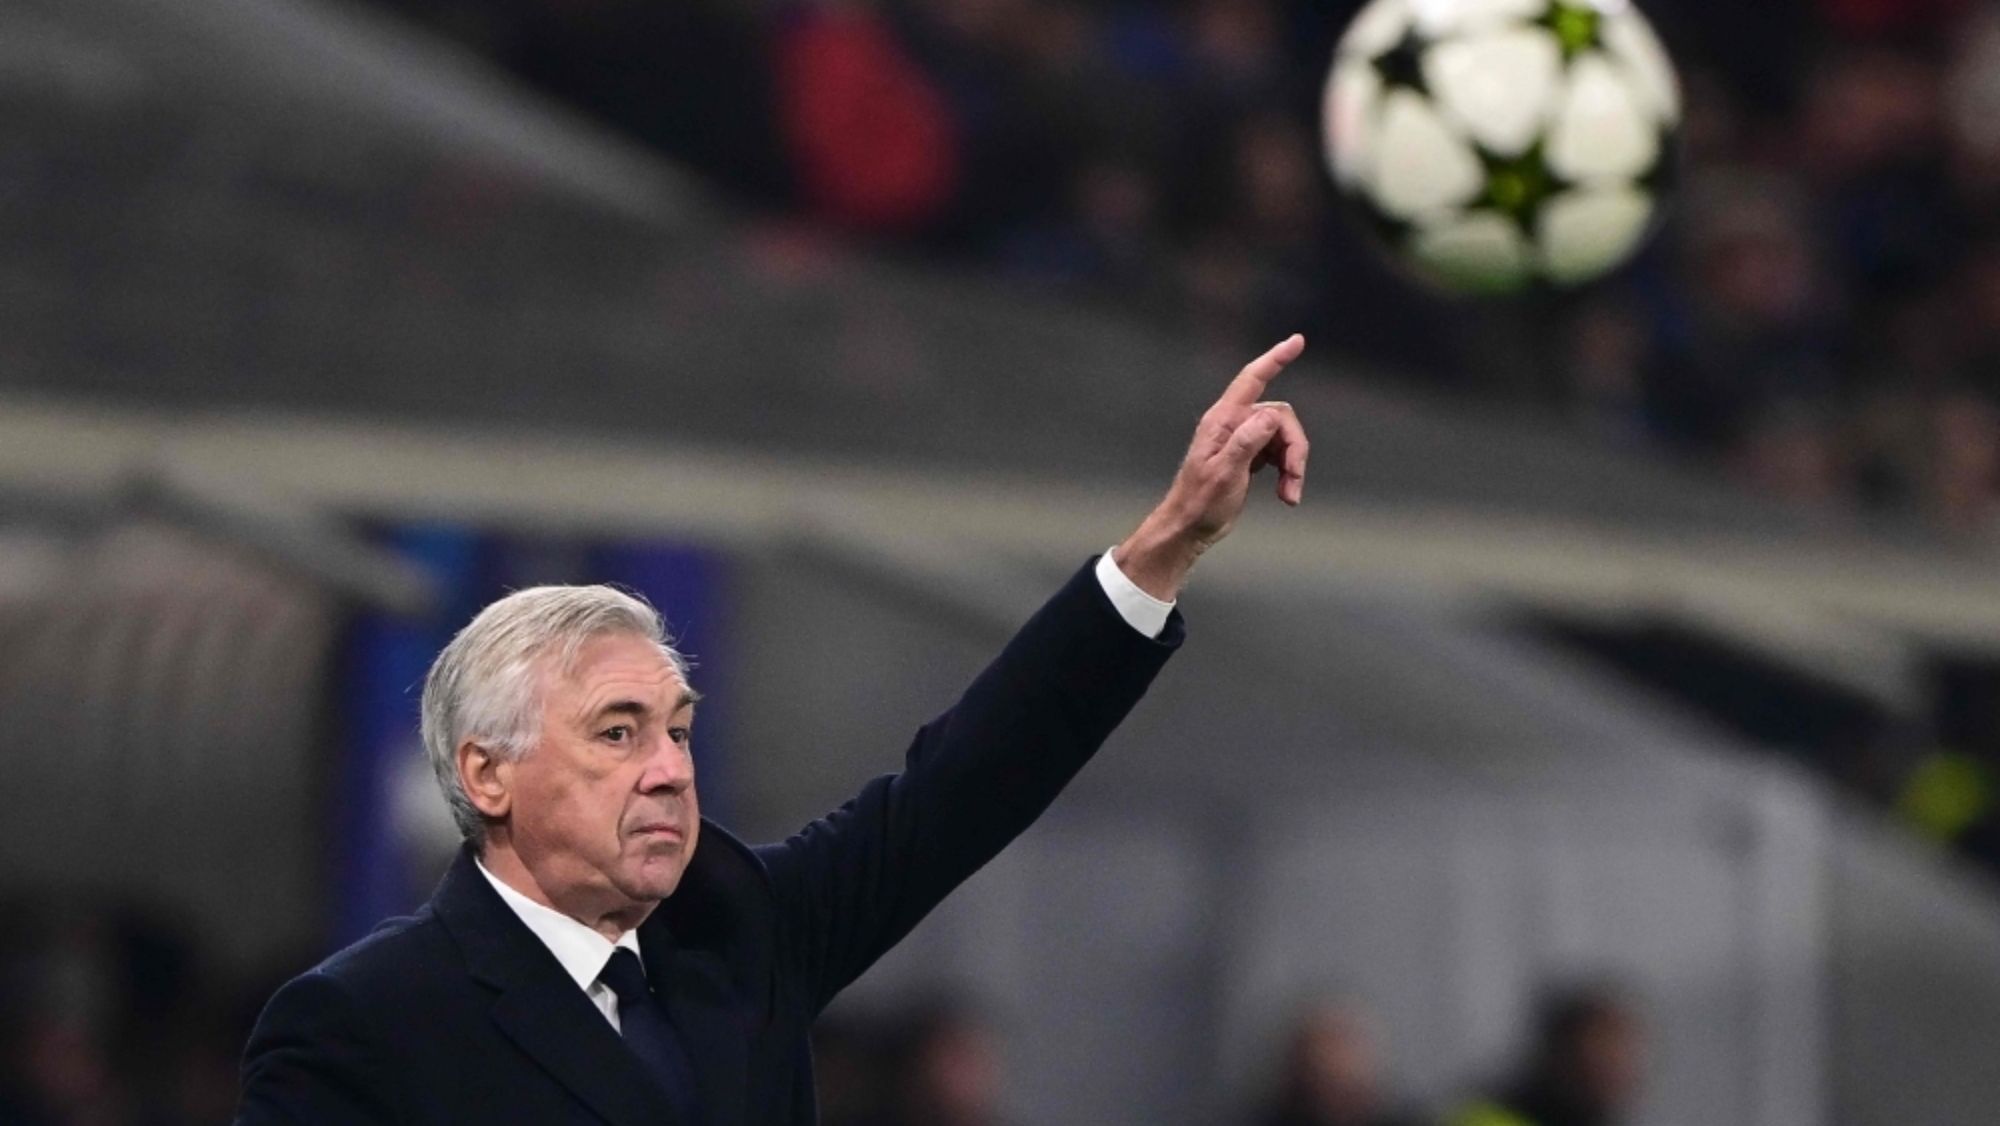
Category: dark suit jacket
[459,1014]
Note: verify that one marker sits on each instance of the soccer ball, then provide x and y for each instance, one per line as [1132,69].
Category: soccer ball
[1498,145]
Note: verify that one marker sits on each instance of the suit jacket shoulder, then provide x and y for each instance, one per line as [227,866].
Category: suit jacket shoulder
[456,1014]
[321,1051]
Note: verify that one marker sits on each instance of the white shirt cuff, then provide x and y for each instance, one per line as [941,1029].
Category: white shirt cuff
[1140,610]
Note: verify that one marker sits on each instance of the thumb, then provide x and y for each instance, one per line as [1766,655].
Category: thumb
[1250,439]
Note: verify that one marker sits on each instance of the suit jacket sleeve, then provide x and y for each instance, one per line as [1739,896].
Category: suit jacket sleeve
[853,883]
[310,1061]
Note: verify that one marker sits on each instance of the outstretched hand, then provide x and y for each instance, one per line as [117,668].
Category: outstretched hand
[1239,435]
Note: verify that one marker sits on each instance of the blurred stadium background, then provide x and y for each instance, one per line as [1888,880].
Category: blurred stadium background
[1646,637]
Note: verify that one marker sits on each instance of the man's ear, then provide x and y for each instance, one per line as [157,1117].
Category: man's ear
[488,779]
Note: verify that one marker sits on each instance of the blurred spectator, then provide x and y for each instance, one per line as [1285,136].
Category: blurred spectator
[1965,466]
[944,1068]
[1757,338]
[848,1072]
[932,1062]
[1237,47]
[1971,111]
[1882,17]
[1793,449]
[1603,369]
[870,136]
[110,1017]
[1333,1075]
[1584,1069]
[1106,239]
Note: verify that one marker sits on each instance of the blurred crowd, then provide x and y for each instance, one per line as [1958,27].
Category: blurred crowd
[939,1063]
[116,1016]
[1821,318]
[1824,316]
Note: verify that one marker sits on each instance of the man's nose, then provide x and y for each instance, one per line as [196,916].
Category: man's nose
[670,767]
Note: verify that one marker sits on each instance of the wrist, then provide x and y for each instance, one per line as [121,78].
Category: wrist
[1158,555]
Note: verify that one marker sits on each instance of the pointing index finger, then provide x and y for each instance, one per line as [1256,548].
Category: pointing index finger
[1249,384]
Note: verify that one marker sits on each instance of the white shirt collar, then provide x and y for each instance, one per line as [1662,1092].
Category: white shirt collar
[582,951]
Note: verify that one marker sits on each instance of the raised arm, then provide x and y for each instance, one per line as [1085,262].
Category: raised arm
[853,883]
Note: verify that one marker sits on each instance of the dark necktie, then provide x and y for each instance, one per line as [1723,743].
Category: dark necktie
[648,1032]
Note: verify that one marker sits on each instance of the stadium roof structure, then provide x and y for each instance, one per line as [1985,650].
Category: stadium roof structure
[164,657]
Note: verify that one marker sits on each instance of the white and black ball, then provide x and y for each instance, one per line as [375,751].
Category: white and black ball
[1498,145]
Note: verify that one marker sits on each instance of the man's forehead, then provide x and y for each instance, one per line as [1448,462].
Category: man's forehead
[620,662]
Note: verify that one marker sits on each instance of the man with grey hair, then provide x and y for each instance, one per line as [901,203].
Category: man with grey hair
[583,962]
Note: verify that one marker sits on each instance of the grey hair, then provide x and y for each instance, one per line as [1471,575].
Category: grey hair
[485,686]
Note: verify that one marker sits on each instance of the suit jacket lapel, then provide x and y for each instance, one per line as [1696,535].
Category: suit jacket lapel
[540,1008]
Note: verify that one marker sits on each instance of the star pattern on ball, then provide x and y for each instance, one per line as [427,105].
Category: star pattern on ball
[1519,186]
[1577,27]
[1402,66]
[1665,171]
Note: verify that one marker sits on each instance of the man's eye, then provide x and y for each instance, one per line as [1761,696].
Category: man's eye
[680,735]
[618,733]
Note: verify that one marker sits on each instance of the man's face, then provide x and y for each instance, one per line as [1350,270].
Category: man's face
[603,810]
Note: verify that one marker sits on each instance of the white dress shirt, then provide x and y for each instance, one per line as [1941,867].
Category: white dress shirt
[583,952]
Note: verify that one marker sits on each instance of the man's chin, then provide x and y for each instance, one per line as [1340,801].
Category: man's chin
[654,877]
